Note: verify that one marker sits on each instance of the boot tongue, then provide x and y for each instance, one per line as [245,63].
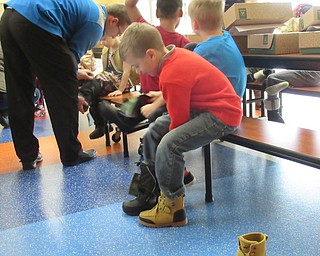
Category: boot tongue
[245,242]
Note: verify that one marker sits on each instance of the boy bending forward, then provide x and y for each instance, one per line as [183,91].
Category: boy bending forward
[202,106]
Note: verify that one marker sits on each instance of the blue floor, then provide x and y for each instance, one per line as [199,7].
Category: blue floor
[77,210]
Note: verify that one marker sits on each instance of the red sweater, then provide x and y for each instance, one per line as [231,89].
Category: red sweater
[190,83]
[150,83]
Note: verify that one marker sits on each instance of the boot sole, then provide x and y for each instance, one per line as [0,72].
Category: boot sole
[174,224]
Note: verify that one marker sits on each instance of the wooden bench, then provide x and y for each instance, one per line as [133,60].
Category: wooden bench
[281,140]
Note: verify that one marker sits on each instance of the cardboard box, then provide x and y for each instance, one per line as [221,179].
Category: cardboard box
[240,14]
[273,43]
[241,42]
[310,18]
[194,38]
[309,42]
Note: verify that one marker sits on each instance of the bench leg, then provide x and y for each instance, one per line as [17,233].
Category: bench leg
[125,145]
[244,104]
[107,134]
[207,168]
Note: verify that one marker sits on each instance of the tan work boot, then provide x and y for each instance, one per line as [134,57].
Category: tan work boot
[167,213]
[252,244]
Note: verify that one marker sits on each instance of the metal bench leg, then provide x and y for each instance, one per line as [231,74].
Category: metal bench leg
[207,168]
[125,144]
[107,134]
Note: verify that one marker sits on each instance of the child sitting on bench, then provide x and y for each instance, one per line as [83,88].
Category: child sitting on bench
[202,106]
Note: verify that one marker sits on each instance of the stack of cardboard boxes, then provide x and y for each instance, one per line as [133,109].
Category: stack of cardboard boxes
[253,25]
[309,38]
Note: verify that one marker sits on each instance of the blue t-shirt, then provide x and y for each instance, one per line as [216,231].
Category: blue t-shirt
[80,22]
[222,52]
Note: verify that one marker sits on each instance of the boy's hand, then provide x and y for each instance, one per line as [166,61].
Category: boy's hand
[82,105]
[148,109]
[85,74]
[102,76]
[115,93]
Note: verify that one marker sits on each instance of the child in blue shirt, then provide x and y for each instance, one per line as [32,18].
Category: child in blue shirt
[217,47]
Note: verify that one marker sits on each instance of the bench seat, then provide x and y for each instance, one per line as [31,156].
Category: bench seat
[289,142]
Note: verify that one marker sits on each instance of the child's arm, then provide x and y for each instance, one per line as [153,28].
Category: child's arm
[132,10]
[158,102]
[124,80]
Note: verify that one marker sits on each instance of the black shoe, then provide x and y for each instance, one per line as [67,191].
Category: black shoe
[274,115]
[189,179]
[135,206]
[83,156]
[33,164]
[97,133]
[4,120]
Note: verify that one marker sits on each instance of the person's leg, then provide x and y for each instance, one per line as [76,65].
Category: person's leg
[169,164]
[98,121]
[55,66]
[112,114]
[147,186]
[20,87]
[274,84]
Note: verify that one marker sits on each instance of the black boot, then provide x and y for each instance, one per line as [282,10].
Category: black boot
[274,115]
[148,192]
[98,132]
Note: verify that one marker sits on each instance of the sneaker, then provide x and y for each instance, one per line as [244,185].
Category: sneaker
[188,179]
[4,119]
[29,165]
[40,111]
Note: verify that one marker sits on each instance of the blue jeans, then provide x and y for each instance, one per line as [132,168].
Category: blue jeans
[164,149]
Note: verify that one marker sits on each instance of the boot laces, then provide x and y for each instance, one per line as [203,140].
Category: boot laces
[162,205]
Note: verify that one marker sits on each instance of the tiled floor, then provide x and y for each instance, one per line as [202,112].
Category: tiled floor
[55,210]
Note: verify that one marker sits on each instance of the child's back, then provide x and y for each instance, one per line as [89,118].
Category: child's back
[218,46]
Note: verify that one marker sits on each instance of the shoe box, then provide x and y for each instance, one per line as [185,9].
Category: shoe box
[284,43]
[310,19]
[309,42]
[243,19]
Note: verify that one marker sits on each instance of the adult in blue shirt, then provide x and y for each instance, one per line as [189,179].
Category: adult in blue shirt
[45,39]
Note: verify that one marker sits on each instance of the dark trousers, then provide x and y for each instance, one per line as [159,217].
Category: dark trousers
[31,52]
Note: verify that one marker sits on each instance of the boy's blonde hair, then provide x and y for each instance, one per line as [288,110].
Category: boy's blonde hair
[138,38]
[208,13]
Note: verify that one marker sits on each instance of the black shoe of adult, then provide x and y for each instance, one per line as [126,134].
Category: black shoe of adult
[29,165]
[97,133]
[4,120]
[83,156]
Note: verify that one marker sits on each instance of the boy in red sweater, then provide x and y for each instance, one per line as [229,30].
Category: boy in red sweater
[202,106]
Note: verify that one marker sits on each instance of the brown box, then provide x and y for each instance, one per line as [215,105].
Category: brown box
[257,13]
[194,38]
[241,42]
[310,18]
[309,42]
[273,43]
